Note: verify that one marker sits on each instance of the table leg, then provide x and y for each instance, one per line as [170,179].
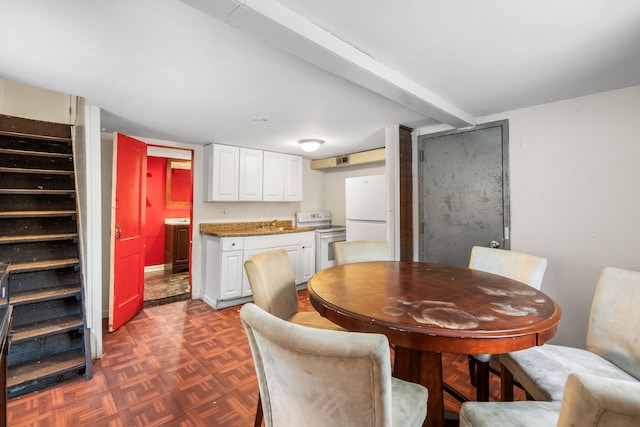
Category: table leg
[423,367]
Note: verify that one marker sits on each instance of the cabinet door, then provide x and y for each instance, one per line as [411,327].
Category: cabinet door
[181,251]
[292,177]
[231,272]
[295,258]
[221,172]
[273,177]
[250,181]
[308,267]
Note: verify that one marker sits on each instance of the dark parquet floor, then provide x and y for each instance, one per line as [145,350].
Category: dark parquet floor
[179,364]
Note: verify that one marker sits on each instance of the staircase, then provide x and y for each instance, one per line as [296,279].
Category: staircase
[39,238]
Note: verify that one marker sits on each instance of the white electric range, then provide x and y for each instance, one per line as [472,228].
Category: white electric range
[326,234]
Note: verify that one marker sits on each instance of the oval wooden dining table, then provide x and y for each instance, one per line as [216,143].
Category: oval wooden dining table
[428,309]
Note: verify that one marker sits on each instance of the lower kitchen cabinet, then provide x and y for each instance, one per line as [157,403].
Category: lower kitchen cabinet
[231,270]
[226,282]
[308,255]
[176,247]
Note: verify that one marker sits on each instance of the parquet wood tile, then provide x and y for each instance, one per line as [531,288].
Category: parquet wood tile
[181,364]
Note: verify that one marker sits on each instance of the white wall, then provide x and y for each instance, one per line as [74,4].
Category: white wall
[20,100]
[575,169]
[87,166]
[106,188]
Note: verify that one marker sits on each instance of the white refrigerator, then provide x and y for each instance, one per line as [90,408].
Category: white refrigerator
[366,207]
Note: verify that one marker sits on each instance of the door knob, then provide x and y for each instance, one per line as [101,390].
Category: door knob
[494,244]
[118,232]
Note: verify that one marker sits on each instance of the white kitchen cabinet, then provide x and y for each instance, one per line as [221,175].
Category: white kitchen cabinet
[244,174]
[221,169]
[223,268]
[282,177]
[273,182]
[294,252]
[250,180]
[307,261]
[226,282]
[231,270]
[292,178]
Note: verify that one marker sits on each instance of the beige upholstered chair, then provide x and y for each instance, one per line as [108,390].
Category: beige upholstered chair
[361,251]
[612,350]
[587,401]
[518,266]
[273,286]
[314,377]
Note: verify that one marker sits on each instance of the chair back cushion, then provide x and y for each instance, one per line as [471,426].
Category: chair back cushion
[596,401]
[614,321]
[524,268]
[361,251]
[273,283]
[314,377]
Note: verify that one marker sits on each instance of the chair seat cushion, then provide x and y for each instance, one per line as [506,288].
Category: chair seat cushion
[515,414]
[313,319]
[543,370]
[408,403]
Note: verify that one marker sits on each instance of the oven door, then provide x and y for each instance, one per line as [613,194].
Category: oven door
[324,253]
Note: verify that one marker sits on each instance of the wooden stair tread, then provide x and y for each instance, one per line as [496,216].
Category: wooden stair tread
[35,153]
[38,238]
[37,171]
[32,191]
[36,136]
[35,369]
[28,214]
[41,329]
[43,265]
[45,294]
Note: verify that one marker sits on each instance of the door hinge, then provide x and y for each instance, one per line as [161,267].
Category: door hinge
[506,233]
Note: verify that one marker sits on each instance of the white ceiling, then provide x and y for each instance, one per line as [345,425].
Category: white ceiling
[265,73]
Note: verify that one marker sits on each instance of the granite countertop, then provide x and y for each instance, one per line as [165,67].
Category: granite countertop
[255,228]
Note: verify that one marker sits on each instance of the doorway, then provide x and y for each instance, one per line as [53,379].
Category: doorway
[132,201]
[168,226]
[464,192]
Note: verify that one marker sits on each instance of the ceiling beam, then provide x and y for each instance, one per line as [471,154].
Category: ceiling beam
[270,21]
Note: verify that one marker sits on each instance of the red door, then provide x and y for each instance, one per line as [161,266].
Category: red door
[127,289]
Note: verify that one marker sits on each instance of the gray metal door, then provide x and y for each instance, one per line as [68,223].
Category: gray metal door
[464,187]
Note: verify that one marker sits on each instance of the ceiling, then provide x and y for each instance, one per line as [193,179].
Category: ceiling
[265,73]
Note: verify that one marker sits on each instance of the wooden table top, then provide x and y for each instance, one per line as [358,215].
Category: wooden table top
[435,307]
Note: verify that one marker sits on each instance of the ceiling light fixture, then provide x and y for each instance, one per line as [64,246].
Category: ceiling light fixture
[310,145]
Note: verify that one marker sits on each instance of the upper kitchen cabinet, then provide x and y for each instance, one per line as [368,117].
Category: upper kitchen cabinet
[250,175]
[273,183]
[282,177]
[292,178]
[243,174]
[221,169]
